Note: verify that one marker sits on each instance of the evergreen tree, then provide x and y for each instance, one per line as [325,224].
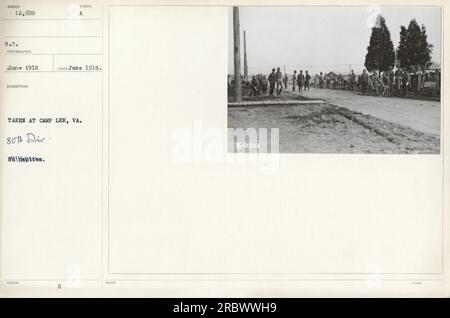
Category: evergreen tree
[413,49]
[424,49]
[380,52]
[403,60]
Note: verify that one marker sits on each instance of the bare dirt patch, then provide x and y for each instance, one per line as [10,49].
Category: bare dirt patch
[325,128]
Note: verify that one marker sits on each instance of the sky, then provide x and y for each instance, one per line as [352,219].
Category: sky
[321,39]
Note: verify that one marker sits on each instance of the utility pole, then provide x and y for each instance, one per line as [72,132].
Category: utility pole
[237,56]
[245,58]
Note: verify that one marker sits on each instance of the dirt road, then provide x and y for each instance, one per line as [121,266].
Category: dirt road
[420,115]
[326,128]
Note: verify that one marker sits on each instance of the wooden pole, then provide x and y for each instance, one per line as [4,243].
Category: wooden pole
[237,55]
[245,58]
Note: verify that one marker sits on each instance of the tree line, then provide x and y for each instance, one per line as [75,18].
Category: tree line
[413,51]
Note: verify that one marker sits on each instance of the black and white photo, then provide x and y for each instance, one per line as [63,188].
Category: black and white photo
[336,79]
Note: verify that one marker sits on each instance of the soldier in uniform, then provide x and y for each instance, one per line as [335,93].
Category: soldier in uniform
[300,81]
[294,80]
[391,79]
[386,81]
[272,81]
[352,80]
[253,86]
[307,79]
[279,81]
[321,80]
[259,80]
[285,80]
[264,84]
[397,81]
[405,82]
[364,82]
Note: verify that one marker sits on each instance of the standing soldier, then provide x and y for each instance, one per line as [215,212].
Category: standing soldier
[420,79]
[374,84]
[300,81]
[307,79]
[405,82]
[364,82]
[386,81]
[321,80]
[272,81]
[230,86]
[259,79]
[285,80]
[397,81]
[352,80]
[264,84]
[391,76]
[294,80]
[279,78]
[253,86]
[438,82]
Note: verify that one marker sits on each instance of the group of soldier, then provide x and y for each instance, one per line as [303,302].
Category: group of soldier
[386,83]
[259,84]
[275,82]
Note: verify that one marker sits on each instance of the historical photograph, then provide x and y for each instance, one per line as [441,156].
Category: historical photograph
[335,79]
